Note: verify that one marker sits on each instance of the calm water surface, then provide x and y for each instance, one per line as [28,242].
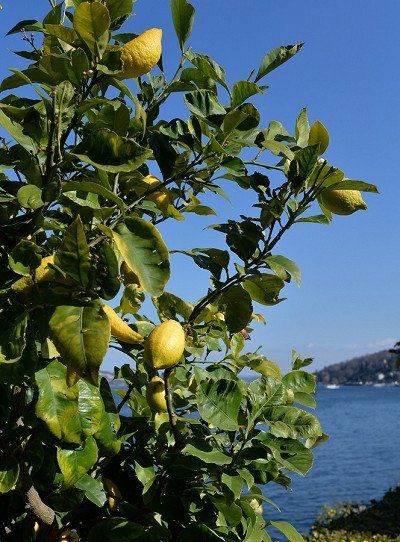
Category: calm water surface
[359,462]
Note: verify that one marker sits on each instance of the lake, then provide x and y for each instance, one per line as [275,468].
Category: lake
[359,462]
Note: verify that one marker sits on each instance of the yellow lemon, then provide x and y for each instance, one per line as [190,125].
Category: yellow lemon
[128,276]
[120,329]
[342,202]
[165,345]
[44,273]
[160,197]
[141,54]
[114,493]
[155,395]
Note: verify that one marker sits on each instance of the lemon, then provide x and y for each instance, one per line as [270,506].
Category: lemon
[141,54]
[165,345]
[44,273]
[342,202]
[120,329]
[160,197]
[114,493]
[128,276]
[155,395]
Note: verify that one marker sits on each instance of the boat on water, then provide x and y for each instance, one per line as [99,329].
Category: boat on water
[332,386]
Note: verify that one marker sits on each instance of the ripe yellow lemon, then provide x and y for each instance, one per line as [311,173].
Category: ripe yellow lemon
[155,395]
[164,346]
[44,273]
[342,202]
[141,54]
[128,276]
[160,197]
[120,329]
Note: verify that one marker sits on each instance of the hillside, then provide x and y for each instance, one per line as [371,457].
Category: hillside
[380,367]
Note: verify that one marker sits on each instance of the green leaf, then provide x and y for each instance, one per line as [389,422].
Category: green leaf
[300,381]
[24,257]
[242,90]
[306,159]
[12,338]
[279,263]
[169,306]
[264,288]
[316,219]
[115,530]
[236,305]
[218,403]
[17,132]
[206,452]
[76,463]
[90,187]
[30,25]
[290,453]
[73,256]
[348,184]
[287,421]
[110,152]
[183,18]
[278,148]
[209,68]
[275,58]
[92,23]
[143,249]
[203,103]
[9,473]
[119,10]
[57,404]
[81,335]
[61,32]
[93,489]
[30,197]
[302,128]
[288,530]
[319,135]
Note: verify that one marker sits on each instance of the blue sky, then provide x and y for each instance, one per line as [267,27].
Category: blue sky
[347,76]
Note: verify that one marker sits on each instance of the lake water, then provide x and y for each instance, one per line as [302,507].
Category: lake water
[359,462]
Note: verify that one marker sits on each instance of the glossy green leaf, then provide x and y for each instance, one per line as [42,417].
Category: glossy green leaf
[81,335]
[24,257]
[183,18]
[319,135]
[348,184]
[264,288]
[145,252]
[300,381]
[87,186]
[30,197]
[242,90]
[93,488]
[12,338]
[9,473]
[279,263]
[92,23]
[275,58]
[288,530]
[290,453]
[219,402]
[206,452]
[287,421]
[236,305]
[74,463]
[73,256]
[302,128]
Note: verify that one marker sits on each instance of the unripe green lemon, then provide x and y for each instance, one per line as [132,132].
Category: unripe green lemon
[155,395]
[342,202]
[164,346]
[141,54]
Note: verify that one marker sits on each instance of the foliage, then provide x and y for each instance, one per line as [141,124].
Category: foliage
[378,521]
[74,205]
[362,369]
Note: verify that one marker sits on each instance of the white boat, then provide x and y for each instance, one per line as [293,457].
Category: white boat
[332,386]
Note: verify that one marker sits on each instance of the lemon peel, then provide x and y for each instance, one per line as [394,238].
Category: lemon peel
[155,395]
[141,54]
[119,329]
[342,202]
[164,346]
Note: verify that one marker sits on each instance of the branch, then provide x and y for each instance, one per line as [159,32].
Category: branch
[35,503]
[125,398]
[171,414]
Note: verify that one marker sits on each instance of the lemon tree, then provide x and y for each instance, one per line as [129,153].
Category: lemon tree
[182,446]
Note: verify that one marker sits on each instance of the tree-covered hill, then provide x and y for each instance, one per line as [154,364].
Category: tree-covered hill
[380,367]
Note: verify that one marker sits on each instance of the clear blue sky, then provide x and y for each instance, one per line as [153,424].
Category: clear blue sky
[348,76]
